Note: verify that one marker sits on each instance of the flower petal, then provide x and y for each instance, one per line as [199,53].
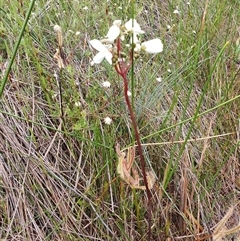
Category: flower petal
[133,26]
[159,79]
[113,33]
[108,56]
[153,46]
[107,120]
[97,45]
[98,58]
[106,84]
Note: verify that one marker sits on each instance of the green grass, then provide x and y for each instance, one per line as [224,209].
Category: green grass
[58,178]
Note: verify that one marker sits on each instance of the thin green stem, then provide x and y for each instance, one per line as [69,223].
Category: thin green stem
[4,81]
[132,52]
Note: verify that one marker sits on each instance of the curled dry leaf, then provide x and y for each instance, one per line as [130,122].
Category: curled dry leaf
[128,172]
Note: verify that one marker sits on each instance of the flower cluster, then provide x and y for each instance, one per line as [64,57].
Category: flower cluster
[111,48]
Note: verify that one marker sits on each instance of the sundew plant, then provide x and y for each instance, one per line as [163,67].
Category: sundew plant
[120,48]
[119,120]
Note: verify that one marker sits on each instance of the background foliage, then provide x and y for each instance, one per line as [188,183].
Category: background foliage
[58,176]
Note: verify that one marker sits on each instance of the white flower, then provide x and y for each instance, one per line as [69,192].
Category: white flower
[132,26]
[106,84]
[153,46]
[107,120]
[159,79]
[176,11]
[103,52]
[77,104]
[85,8]
[77,33]
[129,93]
[57,28]
[113,33]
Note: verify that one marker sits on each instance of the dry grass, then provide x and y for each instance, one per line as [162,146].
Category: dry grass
[58,177]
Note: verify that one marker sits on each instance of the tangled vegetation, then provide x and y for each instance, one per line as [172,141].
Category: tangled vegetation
[59,127]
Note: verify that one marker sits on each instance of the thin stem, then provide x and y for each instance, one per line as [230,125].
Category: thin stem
[60,94]
[122,69]
[137,137]
[4,81]
[132,52]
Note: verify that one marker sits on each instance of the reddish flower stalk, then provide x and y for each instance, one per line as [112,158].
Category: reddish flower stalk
[122,69]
